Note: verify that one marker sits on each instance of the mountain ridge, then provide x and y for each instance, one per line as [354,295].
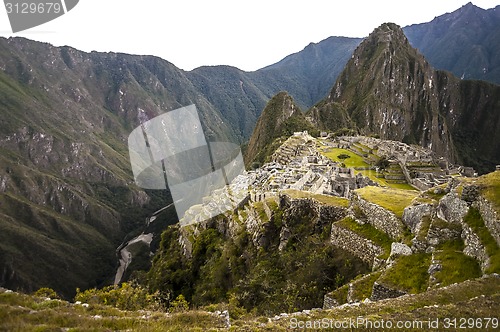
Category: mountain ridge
[65,181]
[389,89]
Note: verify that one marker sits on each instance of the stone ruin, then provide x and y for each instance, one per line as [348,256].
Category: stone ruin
[419,166]
[297,164]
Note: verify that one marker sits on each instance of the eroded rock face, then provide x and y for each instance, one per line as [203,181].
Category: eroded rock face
[397,250]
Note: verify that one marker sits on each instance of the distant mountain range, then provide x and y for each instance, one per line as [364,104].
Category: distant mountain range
[465,42]
[66,189]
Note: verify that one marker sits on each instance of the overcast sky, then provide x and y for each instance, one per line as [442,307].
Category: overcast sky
[245,34]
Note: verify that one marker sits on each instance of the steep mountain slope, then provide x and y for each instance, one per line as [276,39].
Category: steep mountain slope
[67,192]
[234,93]
[388,89]
[308,75]
[281,118]
[465,42]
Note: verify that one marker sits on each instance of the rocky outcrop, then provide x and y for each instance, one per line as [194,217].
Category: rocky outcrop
[451,208]
[414,214]
[397,250]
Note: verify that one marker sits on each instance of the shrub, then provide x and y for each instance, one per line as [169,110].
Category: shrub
[179,304]
[126,296]
[46,292]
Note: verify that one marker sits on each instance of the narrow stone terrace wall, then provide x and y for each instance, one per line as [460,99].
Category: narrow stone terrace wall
[383,220]
[474,248]
[490,217]
[360,247]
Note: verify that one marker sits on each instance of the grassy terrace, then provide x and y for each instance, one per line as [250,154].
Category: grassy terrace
[363,286]
[409,273]
[354,160]
[324,199]
[475,221]
[490,188]
[456,266]
[392,199]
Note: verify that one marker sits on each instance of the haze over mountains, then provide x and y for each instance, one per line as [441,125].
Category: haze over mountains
[66,189]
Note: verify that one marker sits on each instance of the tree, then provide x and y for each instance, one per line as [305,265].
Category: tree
[343,156]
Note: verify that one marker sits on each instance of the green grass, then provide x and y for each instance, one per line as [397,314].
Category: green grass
[475,221]
[340,294]
[409,273]
[392,199]
[370,233]
[490,188]
[259,207]
[383,182]
[324,199]
[477,298]
[354,160]
[21,312]
[456,267]
[424,228]
[363,287]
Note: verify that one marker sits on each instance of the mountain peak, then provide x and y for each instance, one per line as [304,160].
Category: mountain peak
[387,33]
[280,118]
[389,89]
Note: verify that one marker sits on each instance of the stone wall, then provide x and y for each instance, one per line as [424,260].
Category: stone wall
[381,292]
[490,217]
[383,220]
[360,247]
[474,248]
[267,210]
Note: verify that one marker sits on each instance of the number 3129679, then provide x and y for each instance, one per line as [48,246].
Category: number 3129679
[33,8]
[470,323]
